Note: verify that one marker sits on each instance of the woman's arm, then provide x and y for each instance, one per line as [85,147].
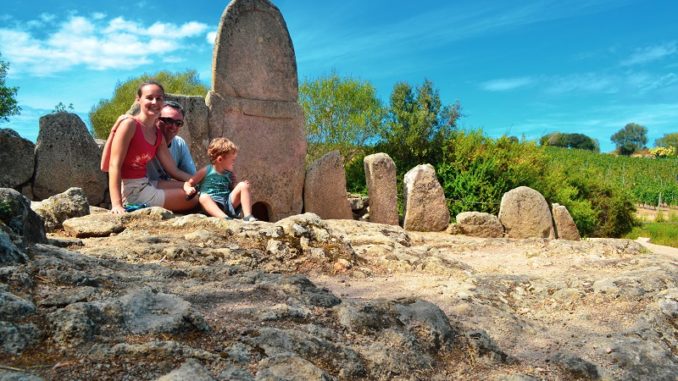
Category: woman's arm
[119,145]
[106,153]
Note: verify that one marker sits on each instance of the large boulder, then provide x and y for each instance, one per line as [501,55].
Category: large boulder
[16,159]
[380,175]
[525,213]
[478,224]
[325,188]
[58,208]
[565,226]
[66,156]
[425,206]
[253,102]
[24,225]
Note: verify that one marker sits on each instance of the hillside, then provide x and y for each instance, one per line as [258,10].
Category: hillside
[645,178]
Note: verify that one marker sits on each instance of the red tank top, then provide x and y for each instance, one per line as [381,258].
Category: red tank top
[139,153]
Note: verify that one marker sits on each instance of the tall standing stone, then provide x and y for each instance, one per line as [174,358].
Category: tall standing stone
[565,226]
[253,102]
[380,174]
[525,213]
[17,159]
[67,156]
[325,188]
[425,206]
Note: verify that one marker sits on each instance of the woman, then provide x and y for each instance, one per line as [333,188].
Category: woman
[135,142]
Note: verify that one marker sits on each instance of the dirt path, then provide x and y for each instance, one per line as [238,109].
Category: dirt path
[658,249]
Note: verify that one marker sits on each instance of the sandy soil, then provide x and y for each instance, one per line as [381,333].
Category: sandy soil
[533,302]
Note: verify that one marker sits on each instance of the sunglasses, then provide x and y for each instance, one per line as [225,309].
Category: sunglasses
[170,121]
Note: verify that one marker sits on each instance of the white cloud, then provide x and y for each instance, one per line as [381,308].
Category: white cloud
[587,82]
[95,43]
[211,37]
[506,84]
[651,53]
[631,83]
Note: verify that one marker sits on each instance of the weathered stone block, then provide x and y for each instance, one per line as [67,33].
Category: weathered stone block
[380,174]
[425,206]
[325,188]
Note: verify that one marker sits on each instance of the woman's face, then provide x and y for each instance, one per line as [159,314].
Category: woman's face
[151,100]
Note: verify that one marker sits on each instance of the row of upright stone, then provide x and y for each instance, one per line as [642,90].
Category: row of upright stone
[523,213]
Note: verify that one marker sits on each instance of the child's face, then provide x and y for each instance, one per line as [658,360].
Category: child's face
[228,160]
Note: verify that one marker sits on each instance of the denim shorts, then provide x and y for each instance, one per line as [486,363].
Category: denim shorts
[229,209]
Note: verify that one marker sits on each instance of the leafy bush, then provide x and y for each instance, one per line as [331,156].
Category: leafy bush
[663,152]
[476,170]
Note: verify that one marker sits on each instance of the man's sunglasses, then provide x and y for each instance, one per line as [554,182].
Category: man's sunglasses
[170,121]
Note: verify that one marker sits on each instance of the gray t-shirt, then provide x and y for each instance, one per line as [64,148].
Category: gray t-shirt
[181,155]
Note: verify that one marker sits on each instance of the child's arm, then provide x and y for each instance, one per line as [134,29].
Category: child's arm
[189,185]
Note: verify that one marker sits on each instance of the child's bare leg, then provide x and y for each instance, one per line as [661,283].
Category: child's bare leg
[210,206]
[241,196]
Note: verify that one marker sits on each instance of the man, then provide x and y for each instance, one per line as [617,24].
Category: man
[170,121]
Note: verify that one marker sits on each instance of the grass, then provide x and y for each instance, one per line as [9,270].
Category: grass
[662,231]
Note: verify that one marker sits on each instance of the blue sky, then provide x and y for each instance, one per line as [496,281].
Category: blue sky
[523,68]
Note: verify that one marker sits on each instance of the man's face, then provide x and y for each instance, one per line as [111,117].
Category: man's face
[170,122]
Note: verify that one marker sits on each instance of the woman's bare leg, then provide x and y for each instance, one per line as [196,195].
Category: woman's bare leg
[169,184]
[175,200]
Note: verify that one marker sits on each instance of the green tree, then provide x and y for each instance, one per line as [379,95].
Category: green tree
[341,113]
[8,104]
[668,140]
[631,138]
[103,115]
[552,139]
[564,140]
[418,125]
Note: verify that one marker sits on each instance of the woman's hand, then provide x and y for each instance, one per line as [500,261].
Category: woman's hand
[118,210]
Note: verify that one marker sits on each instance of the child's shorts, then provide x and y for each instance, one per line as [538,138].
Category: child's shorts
[229,209]
[141,191]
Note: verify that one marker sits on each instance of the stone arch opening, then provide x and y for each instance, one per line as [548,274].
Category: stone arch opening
[262,211]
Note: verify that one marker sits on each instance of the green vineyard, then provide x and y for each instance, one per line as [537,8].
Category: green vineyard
[650,181]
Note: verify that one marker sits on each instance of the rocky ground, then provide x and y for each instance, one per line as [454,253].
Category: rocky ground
[153,296]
